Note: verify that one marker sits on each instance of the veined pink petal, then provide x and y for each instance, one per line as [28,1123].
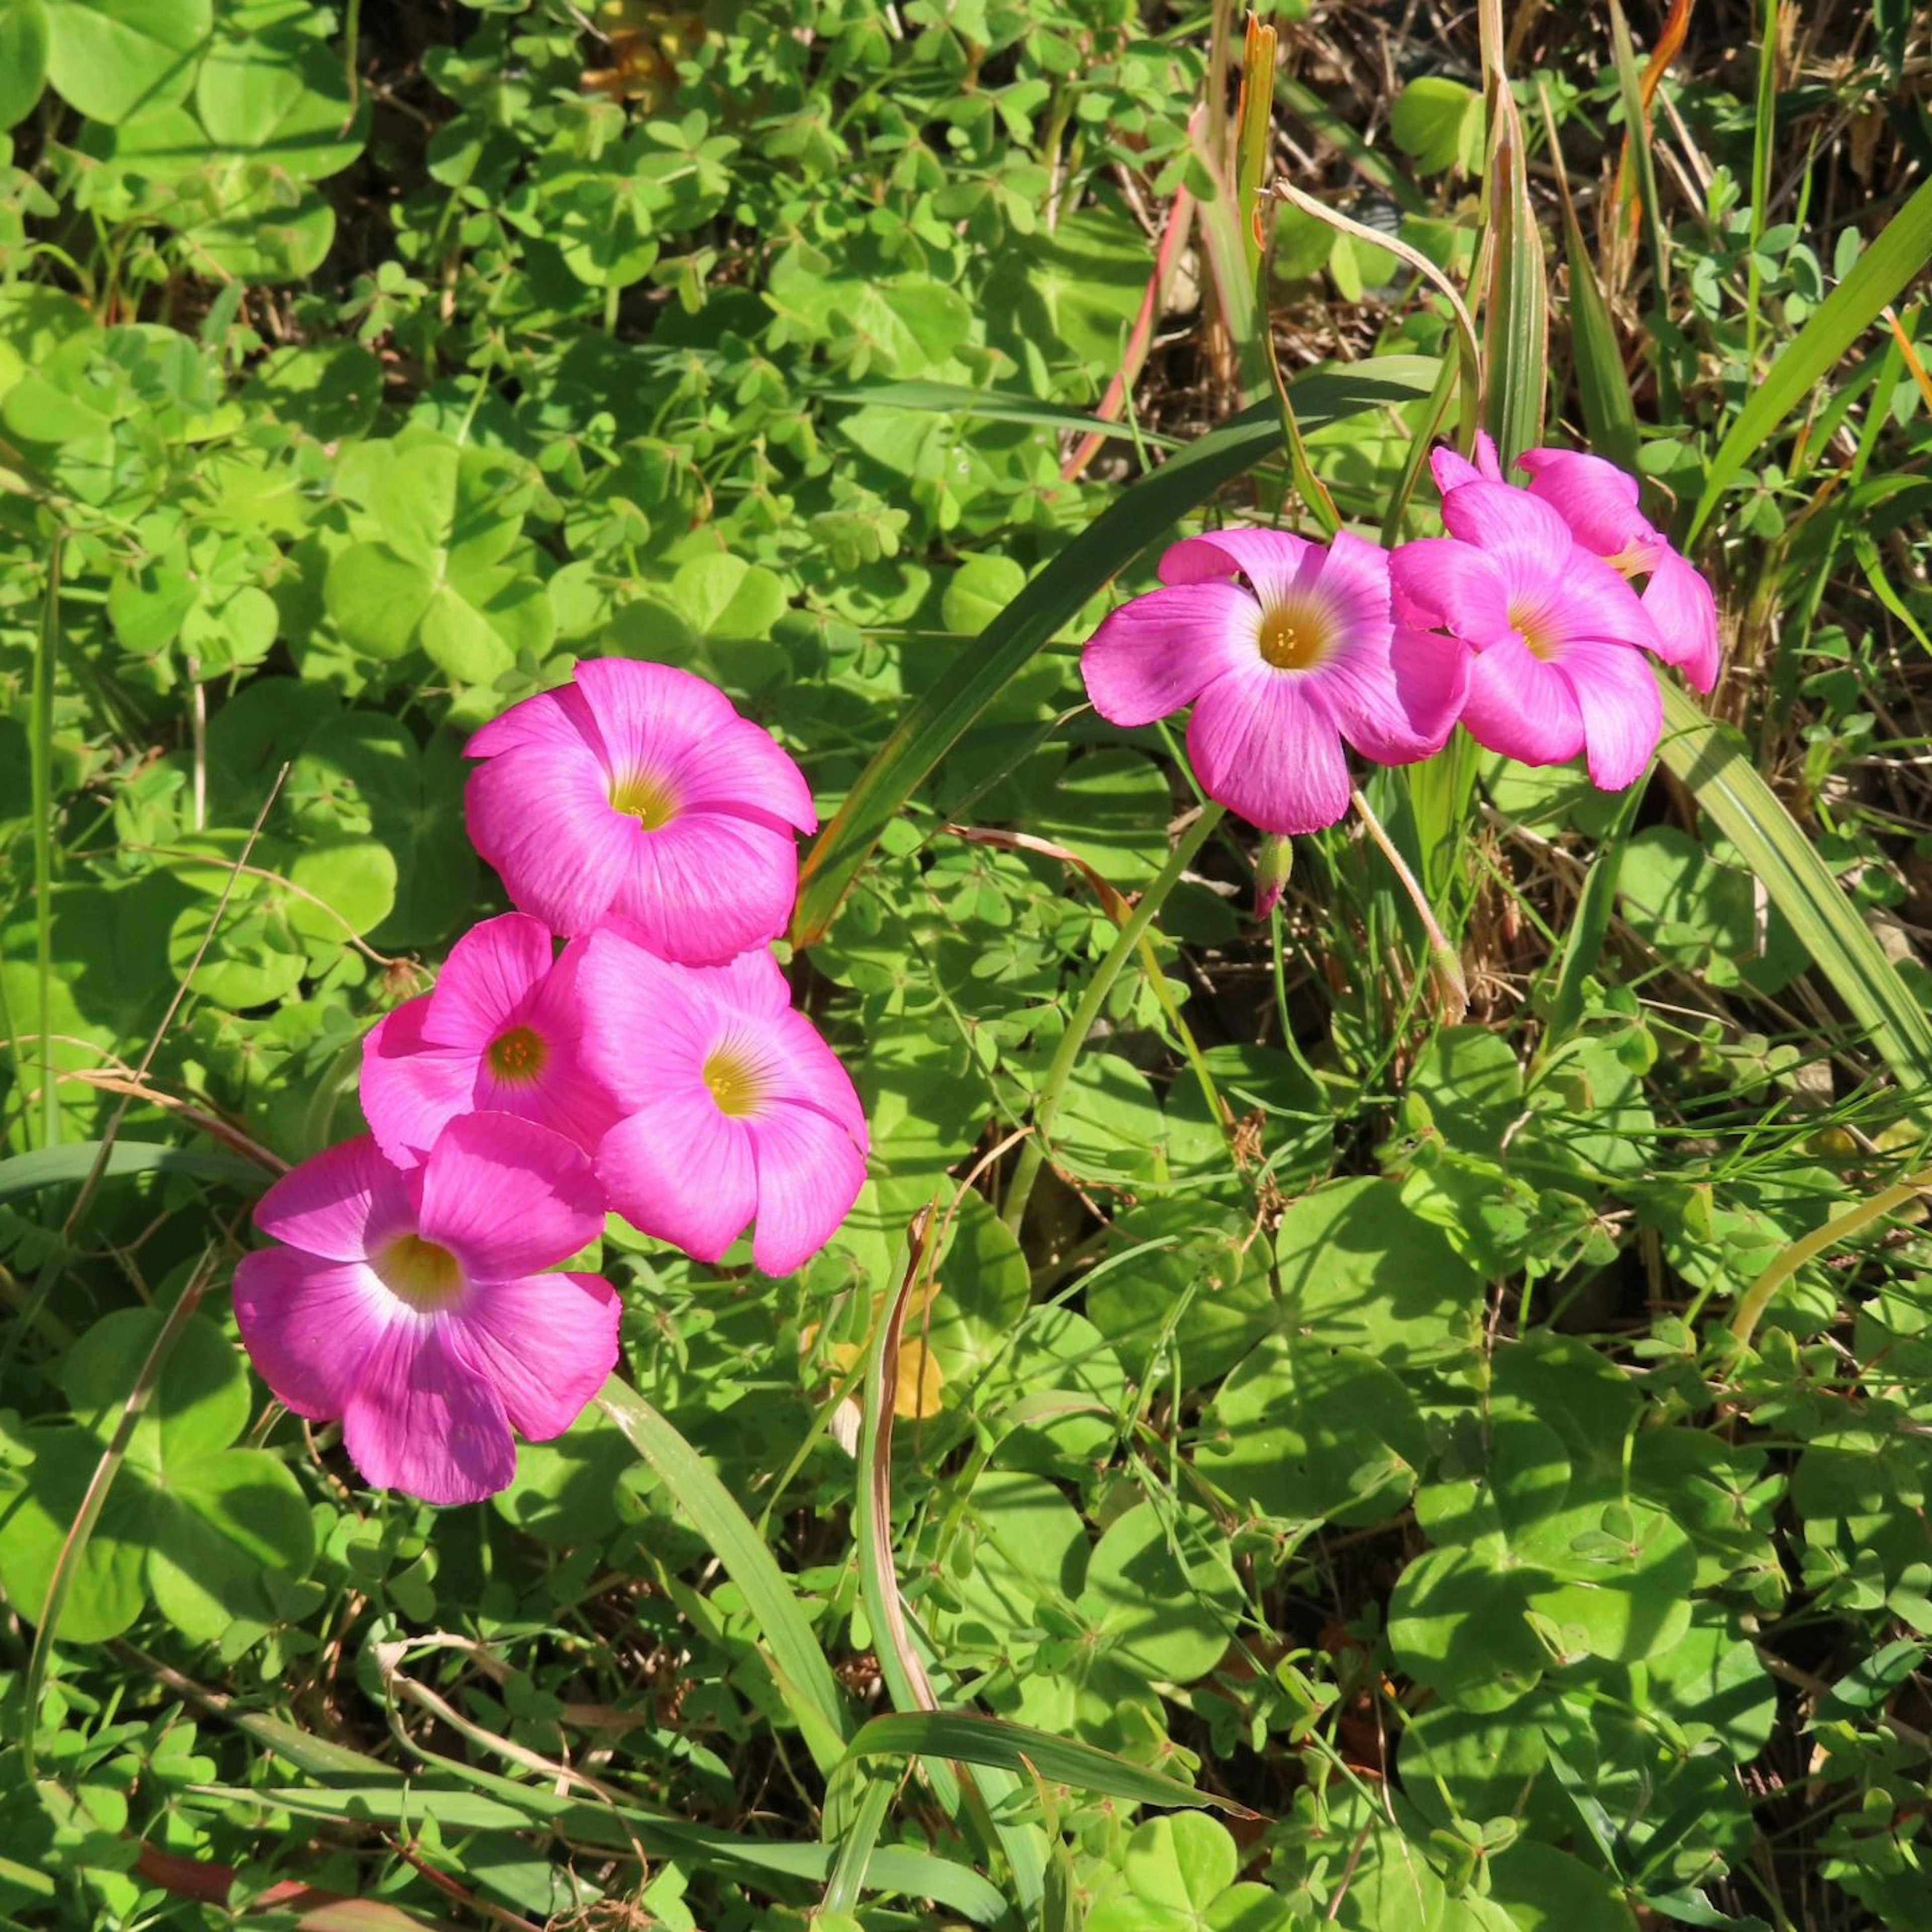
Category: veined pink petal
[1450,467]
[1681,604]
[548,719]
[647,1024]
[681,1172]
[752,982]
[1587,598]
[491,971]
[542,817]
[810,1075]
[1264,744]
[1596,498]
[809,1173]
[741,767]
[546,1342]
[1273,561]
[506,1197]
[1622,710]
[1439,584]
[423,1421]
[709,886]
[309,1325]
[1400,703]
[1523,707]
[1510,525]
[338,1203]
[646,714]
[1350,579]
[1155,653]
[412,1090]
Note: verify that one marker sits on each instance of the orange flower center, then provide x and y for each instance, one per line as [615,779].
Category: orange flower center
[737,1081]
[1295,636]
[650,801]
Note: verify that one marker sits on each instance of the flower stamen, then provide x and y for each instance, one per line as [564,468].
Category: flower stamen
[649,800]
[737,1081]
[1294,637]
[519,1057]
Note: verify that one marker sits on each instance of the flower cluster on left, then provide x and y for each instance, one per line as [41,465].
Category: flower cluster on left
[654,1067]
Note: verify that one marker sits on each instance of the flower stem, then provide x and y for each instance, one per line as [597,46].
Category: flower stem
[1447,966]
[1053,1088]
[1757,1298]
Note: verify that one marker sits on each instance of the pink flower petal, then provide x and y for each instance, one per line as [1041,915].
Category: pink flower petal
[1596,498]
[753,982]
[681,1172]
[647,714]
[506,1197]
[1621,707]
[1401,704]
[1439,584]
[709,886]
[647,1024]
[1272,561]
[1587,598]
[809,1173]
[424,1421]
[1450,467]
[338,1203]
[491,971]
[412,1090]
[550,719]
[1157,653]
[542,817]
[546,1342]
[1264,743]
[1681,604]
[741,768]
[809,1074]
[1522,706]
[309,1324]
[1510,525]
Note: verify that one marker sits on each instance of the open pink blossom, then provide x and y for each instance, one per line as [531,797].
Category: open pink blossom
[415,1304]
[637,790]
[736,1111]
[1561,640]
[1285,649]
[498,1033]
[1599,502]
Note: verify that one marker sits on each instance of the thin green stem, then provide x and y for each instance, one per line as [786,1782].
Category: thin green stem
[1757,1298]
[41,759]
[1053,1088]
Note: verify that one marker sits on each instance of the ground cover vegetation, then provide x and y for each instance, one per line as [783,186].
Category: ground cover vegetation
[1375,1377]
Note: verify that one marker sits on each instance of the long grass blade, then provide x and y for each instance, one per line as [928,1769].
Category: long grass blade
[40,757]
[804,1679]
[53,1167]
[1716,764]
[1877,279]
[975,1739]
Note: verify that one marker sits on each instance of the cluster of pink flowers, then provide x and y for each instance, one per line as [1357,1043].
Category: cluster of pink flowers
[1522,624]
[654,1068]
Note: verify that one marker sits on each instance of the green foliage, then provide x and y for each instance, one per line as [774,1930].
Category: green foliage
[1339,1425]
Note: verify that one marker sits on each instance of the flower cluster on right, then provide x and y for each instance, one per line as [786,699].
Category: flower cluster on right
[1524,624]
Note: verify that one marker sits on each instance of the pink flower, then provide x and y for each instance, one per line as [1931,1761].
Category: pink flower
[414,1303]
[737,1110]
[637,790]
[1560,637]
[1284,649]
[1599,502]
[498,1034]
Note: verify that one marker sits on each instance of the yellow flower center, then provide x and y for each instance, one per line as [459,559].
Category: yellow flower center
[1532,624]
[420,1273]
[736,1081]
[1294,637]
[650,801]
[518,1056]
